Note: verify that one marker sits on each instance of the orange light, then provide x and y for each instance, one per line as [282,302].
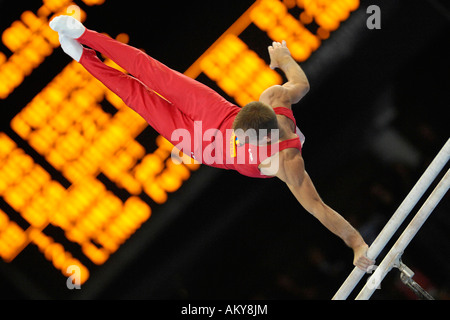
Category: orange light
[237,69]
[305,18]
[12,238]
[123,37]
[16,36]
[96,255]
[32,21]
[3,220]
[289,3]
[327,21]
[137,207]
[94,2]
[55,5]
[169,181]
[323,33]
[155,192]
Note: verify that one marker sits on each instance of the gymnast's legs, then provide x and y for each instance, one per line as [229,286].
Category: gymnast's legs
[195,100]
[185,101]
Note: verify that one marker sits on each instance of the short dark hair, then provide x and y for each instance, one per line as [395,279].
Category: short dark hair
[256,115]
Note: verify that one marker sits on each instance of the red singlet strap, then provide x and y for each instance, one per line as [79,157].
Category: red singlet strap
[285,112]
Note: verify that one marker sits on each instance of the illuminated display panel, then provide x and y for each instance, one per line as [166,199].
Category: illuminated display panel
[82,154]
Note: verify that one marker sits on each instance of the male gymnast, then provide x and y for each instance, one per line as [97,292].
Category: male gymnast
[264,131]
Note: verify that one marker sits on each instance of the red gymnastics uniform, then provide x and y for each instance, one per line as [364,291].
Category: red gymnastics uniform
[188,107]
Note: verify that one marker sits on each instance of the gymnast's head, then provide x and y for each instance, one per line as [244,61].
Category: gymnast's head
[255,124]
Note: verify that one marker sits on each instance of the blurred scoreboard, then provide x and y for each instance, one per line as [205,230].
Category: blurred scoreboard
[76,177]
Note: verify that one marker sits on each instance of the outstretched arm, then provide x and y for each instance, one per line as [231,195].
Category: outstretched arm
[304,191]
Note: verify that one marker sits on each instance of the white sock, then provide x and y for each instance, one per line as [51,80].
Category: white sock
[68,26]
[71,47]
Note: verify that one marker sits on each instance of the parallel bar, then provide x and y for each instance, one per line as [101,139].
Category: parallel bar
[397,218]
[406,237]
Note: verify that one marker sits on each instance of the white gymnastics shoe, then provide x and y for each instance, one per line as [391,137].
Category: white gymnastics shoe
[68,26]
[71,47]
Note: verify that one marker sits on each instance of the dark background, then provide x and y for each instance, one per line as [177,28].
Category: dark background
[375,117]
